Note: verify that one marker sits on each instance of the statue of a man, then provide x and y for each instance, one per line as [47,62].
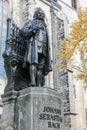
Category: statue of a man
[37,52]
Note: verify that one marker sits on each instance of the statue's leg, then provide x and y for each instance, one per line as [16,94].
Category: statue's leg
[32,71]
[40,79]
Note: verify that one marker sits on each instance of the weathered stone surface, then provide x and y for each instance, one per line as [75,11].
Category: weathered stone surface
[39,108]
[32,108]
[8,116]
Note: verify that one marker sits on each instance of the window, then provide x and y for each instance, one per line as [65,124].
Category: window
[55,0]
[74,4]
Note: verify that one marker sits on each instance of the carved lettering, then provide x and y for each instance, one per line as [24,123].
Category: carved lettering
[53,125]
[52,115]
[52,110]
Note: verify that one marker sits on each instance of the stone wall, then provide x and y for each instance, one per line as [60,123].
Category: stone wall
[70,122]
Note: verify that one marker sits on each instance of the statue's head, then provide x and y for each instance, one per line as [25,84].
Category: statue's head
[39,14]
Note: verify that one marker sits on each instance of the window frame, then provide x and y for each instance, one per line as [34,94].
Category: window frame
[74,4]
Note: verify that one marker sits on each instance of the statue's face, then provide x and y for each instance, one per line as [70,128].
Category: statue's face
[39,14]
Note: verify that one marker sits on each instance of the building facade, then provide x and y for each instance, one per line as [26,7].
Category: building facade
[75,118]
[59,16]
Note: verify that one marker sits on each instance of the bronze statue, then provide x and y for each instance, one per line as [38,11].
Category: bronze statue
[34,43]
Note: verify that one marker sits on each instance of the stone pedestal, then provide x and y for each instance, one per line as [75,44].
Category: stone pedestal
[39,109]
[33,108]
[8,117]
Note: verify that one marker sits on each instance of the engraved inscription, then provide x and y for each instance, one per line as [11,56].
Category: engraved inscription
[52,116]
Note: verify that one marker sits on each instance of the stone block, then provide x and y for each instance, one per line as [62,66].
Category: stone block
[33,108]
[8,116]
[39,109]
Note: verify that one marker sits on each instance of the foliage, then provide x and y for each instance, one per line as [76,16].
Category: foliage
[77,40]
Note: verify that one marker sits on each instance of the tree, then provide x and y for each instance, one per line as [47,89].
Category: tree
[77,40]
